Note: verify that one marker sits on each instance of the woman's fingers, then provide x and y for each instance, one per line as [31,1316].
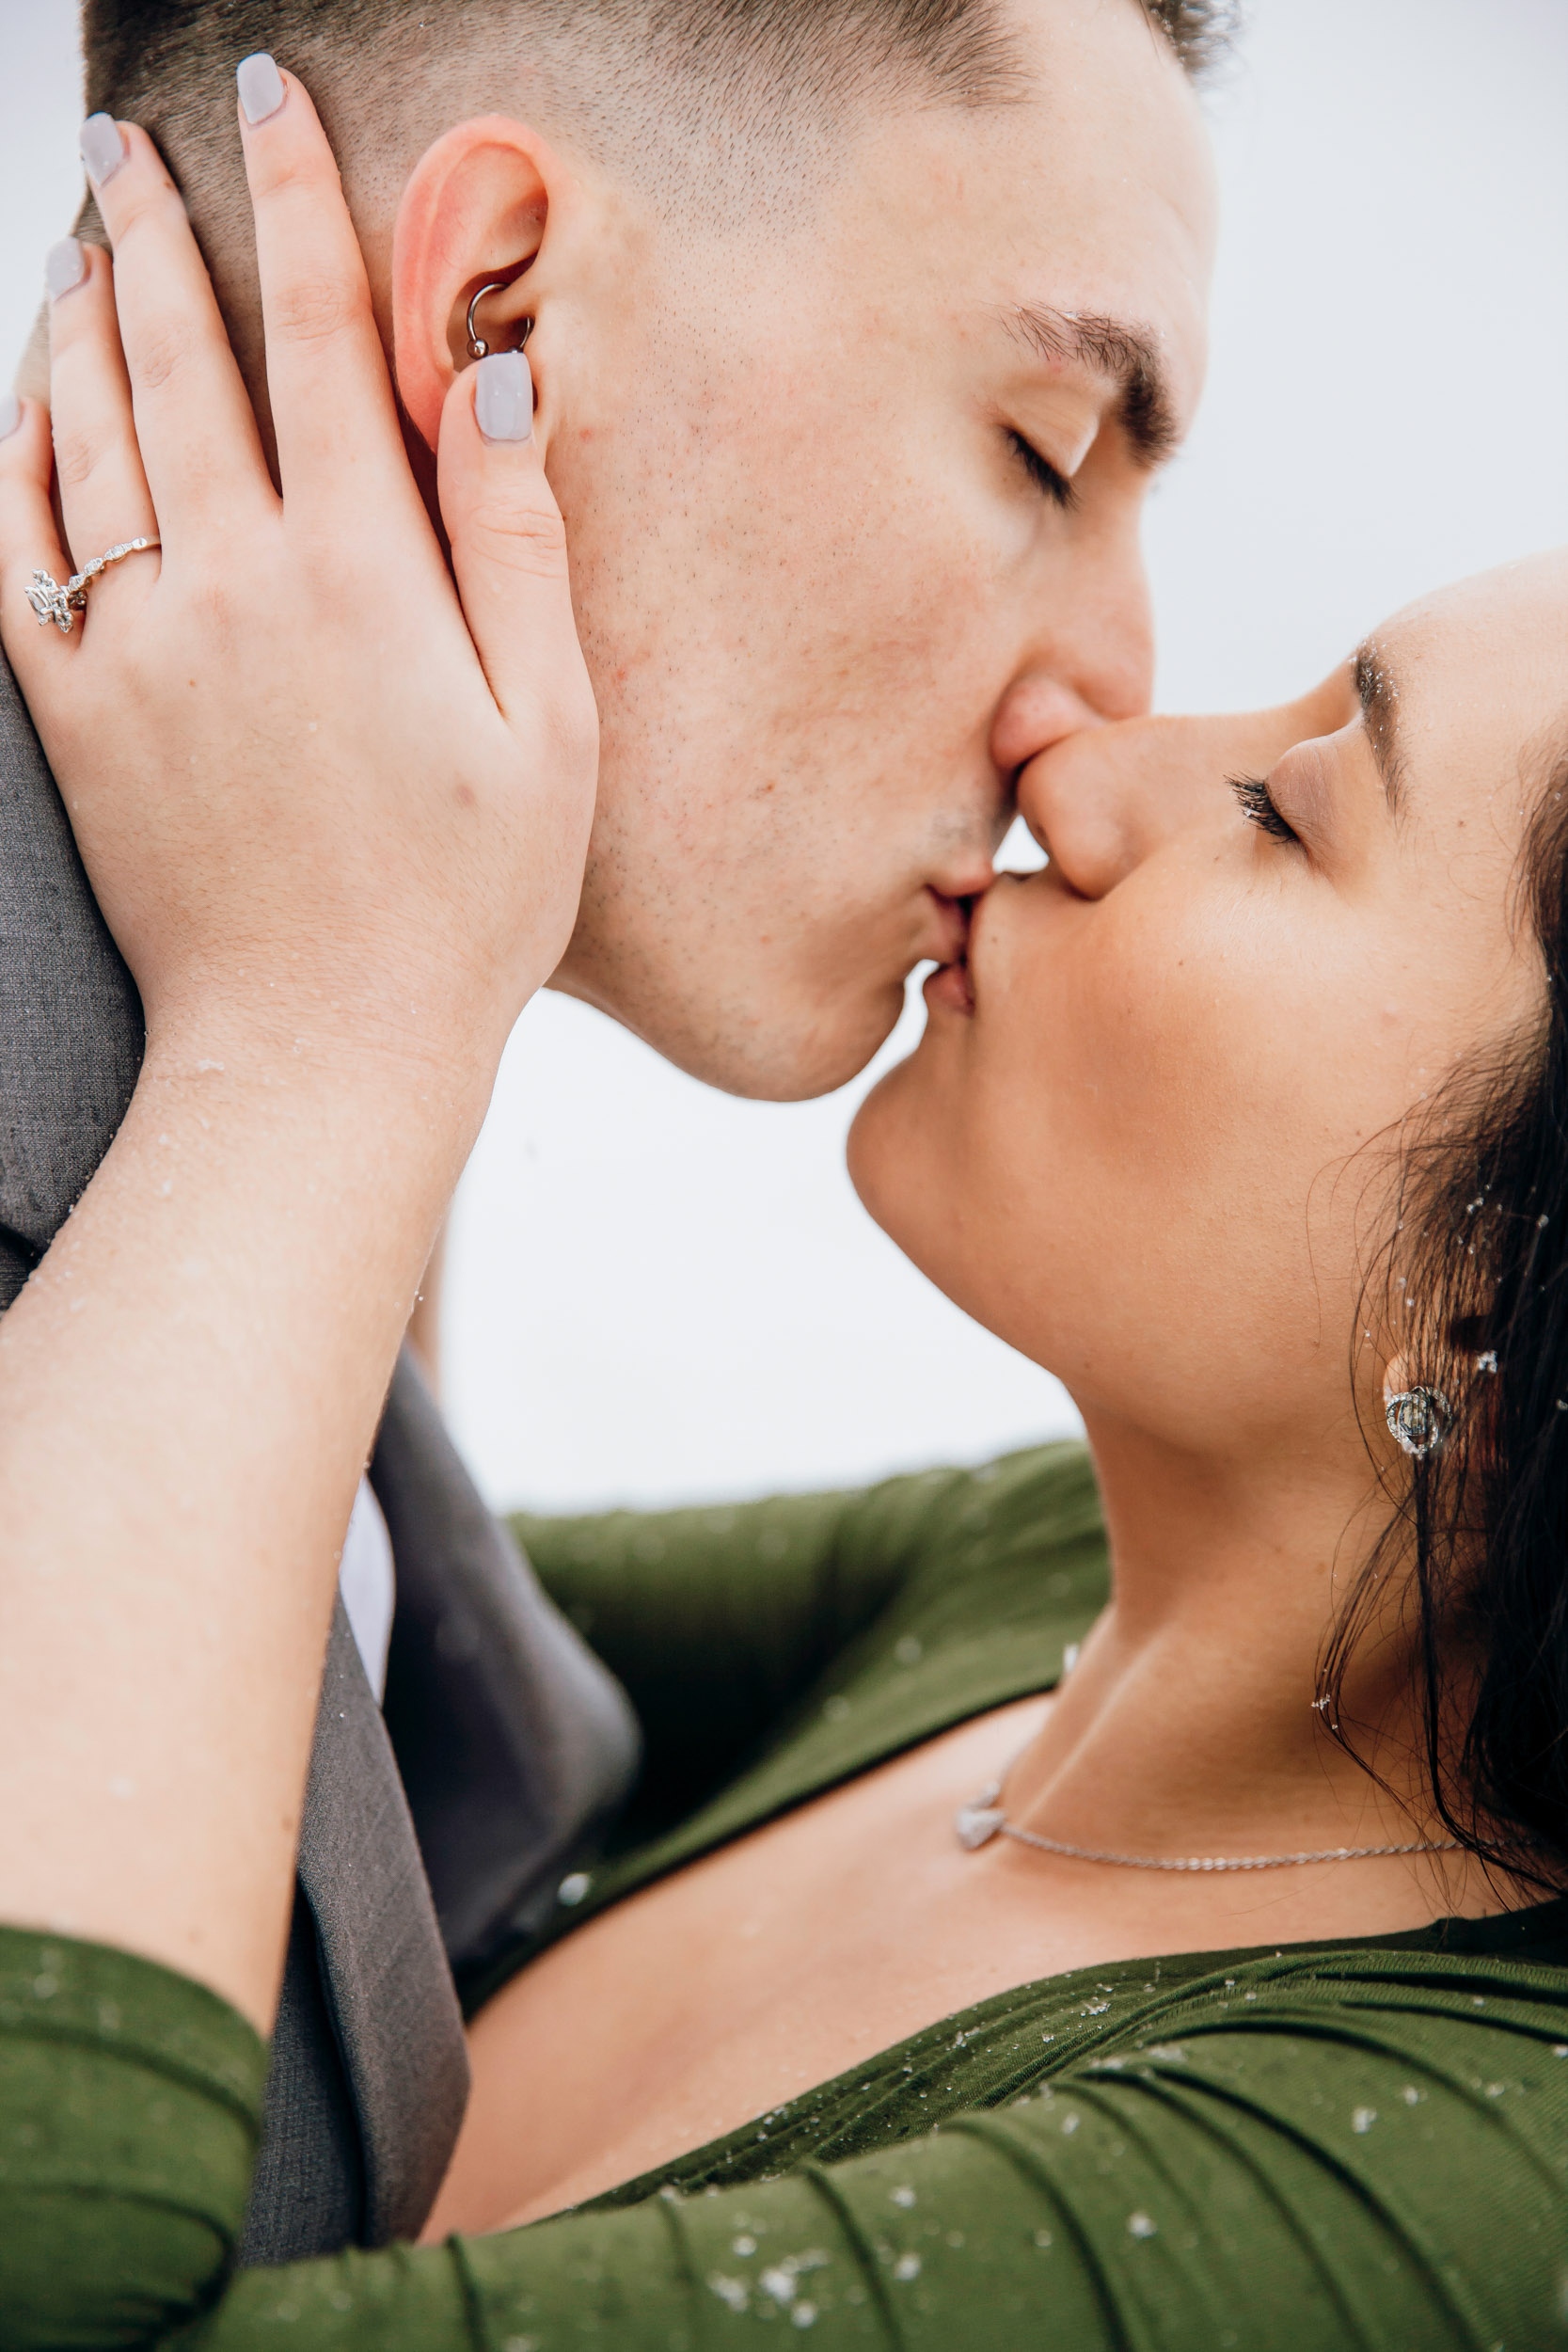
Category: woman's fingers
[340,445]
[338,440]
[509,546]
[199,446]
[29,542]
[104,493]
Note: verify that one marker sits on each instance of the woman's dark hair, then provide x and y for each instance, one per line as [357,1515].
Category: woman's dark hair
[1474,1296]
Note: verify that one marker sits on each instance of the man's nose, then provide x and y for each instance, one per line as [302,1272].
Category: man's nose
[1095,665]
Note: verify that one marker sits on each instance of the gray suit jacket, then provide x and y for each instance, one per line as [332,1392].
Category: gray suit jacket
[434,1829]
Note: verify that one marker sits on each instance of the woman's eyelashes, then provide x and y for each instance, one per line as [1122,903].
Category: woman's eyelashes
[1259,808]
[1042,473]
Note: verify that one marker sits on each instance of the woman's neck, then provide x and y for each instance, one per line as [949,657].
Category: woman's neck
[1194,1721]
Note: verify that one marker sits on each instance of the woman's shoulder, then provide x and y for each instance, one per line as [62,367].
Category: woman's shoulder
[1016,1545]
[1002,1569]
[938,1594]
[990,1577]
[1030,1502]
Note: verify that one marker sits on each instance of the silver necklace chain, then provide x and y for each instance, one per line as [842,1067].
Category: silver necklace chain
[978,1823]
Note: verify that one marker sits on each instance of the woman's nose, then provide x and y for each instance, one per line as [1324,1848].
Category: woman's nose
[1100,802]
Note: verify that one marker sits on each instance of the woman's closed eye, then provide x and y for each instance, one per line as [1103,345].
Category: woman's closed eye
[1047,478]
[1258,806]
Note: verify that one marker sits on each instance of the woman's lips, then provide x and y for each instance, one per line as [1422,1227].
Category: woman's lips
[949,985]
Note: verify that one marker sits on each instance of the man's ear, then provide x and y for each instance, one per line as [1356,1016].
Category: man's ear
[476,208]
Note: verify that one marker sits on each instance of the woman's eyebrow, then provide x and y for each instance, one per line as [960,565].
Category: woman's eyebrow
[1378,688]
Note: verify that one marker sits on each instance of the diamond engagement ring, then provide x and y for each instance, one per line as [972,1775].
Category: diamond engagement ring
[52,602]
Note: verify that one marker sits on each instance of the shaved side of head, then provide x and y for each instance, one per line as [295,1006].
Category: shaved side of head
[703,101]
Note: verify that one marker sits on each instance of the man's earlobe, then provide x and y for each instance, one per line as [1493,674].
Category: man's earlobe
[474,214]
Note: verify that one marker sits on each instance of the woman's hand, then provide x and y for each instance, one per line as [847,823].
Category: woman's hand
[338,848]
[303,800]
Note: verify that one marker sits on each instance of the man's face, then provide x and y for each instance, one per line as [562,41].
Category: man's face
[830,606]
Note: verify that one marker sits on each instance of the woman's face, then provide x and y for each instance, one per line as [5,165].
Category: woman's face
[1129,1139]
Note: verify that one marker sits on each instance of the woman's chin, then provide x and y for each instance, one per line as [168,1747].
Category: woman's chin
[902,1162]
[881,1152]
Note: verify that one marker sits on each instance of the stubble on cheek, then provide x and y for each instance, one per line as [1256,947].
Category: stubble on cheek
[794,657]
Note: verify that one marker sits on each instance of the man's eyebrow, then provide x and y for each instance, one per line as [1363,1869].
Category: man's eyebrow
[1111,347]
[1377,688]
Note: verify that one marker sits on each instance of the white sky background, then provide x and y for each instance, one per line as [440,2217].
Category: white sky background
[656,1292]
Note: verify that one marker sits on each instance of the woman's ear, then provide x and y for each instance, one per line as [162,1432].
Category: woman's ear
[476,208]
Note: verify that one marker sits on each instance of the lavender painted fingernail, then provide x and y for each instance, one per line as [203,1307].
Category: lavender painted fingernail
[503,397]
[63,265]
[10,415]
[103,144]
[261,84]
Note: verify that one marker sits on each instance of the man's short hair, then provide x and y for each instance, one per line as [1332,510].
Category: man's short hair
[635,80]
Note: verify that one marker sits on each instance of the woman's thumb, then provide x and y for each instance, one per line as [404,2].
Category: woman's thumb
[508,542]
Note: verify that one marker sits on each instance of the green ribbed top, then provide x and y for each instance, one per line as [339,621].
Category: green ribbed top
[1299,2149]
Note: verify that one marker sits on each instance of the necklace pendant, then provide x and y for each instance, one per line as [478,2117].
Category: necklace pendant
[977,1825]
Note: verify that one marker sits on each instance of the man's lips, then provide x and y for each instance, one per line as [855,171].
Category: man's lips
[950,933]
[950,984]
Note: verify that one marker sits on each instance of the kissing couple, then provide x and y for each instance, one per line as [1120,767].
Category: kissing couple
[636,508]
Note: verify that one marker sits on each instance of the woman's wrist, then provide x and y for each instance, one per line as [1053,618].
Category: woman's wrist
[392,1081]
[398,1032]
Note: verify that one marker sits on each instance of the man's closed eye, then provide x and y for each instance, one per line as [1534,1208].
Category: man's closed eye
[1046,477]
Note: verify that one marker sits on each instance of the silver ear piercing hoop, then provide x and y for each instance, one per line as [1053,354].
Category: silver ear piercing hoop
[1418,1421]
[478,348]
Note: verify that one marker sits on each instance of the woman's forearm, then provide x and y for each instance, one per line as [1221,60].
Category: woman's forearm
[188,1387]
[338,851]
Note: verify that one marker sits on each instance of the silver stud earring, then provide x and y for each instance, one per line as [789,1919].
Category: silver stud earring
[478,348]
[1418,1421]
